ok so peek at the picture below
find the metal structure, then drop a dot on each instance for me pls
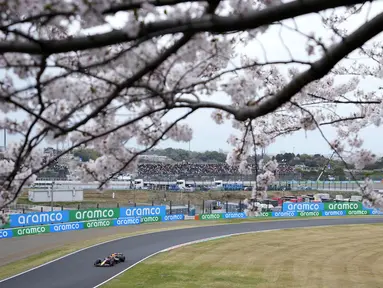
(4, 146)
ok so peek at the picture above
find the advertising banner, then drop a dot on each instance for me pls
(234, 215)
(38, 218)
(126, 221)
(357, 212)
(141, 211)
(309, 214)
(150, 219)
(319, 206)
(334, 213)
(25, 231)
(374, 212)
(214, 216)
(98, 224)
(175, 217)
(302, 206)
(284, 214)
(265, 214)
(343, 206)
(7, 233)
(93, 214)
(63, 227)
(154, 214)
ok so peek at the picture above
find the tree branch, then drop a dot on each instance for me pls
(150, 67)
(318, 69)
(343, 102)
(138, 4)
(218, 24)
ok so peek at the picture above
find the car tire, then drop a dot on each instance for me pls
(122, 259)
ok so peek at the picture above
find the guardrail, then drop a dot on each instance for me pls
(70, 220)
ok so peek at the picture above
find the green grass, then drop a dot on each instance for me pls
(309, 258)
(30, 262)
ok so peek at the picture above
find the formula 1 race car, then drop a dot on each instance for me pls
(110, 260)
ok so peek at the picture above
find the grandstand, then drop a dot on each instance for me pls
(189, 171)
(199, 169)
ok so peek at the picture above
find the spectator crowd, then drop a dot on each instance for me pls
(195, 169)
(159, 170)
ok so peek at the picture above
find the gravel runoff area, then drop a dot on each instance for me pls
(13, 249)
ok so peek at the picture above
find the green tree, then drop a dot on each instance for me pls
(339, 173)
(86, 154)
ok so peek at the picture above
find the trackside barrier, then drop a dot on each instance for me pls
(126, 221)
(289, 214)
(72, 226)
(65, 216)
(53, 222)
(319, 206)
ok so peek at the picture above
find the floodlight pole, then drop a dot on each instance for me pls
(324, 167)
(53, 184)
(256, 171)
(5, 139)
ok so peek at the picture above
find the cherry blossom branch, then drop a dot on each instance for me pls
(150, 67)
(92, 138)
(78, 95)
(206, 23)
(49, 15)
(343, 102)
(137, 4)
(318, 69)
(290, 130)
(143, 151)
(333, 148)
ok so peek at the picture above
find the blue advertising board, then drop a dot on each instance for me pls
(302, 206)
(234, 215)
(334, 213)
(6, 233)
(175, 217)
(142, 211)
(374, 212)
(232, 187)
(284, 214)
(127, 221)
(63, 227)
(38, 218)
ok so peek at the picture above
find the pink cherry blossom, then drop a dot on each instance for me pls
(72, 67)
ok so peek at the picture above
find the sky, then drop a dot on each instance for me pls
(209, 136)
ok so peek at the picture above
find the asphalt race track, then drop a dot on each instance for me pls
(77, 270)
